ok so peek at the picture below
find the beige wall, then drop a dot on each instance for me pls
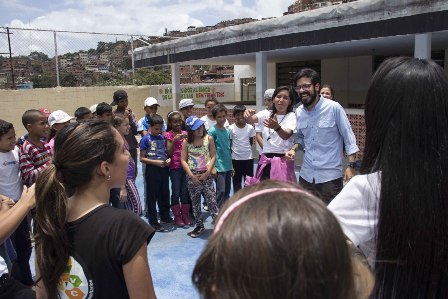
(15, 102)
(349, 77)
(68, 99)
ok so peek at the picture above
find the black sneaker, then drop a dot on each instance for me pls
(197, 232)
(158, 227)
(168, 220)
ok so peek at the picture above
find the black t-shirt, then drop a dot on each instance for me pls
(102, 242)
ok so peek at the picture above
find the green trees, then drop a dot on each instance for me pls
(45, 80)
(69, 80)
(152, 77)
(38, 56)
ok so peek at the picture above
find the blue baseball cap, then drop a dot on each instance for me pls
(193, 123)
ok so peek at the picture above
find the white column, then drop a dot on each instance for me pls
(261, 78)
(423, 46)
(175, 81)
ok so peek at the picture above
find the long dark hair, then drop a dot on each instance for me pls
(290, 247)
(79, 149)
(407, 142)
(190, 136)
(291, 98)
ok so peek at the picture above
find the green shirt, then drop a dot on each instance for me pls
(223, 153)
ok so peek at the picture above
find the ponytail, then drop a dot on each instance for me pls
(52, 245)
(79, 149)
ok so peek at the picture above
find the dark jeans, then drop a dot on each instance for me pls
(178, 186)
(223, 182)
(22, 244)
(12, 289)
(114, 198)
(325, 191)
(158, 192)
(242, 168)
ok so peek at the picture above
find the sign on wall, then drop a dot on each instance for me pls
(199, 92)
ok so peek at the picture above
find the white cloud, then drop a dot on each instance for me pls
(272, 8)
(142, 17)
(149, 17)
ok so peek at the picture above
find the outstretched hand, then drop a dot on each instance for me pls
(271, 123)
(248, 115)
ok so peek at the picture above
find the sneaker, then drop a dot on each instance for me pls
(168, 220)
(205, 208)
(198, 231)
(158, 227)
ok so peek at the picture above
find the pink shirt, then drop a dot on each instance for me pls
(175, 158)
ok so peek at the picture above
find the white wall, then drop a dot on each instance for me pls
(248, 71)
(272, 75)
(240, 72)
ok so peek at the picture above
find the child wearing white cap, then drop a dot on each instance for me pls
(186, 109)
(57, 120)
(150, 106)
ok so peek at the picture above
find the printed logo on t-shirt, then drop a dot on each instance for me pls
(74, 283)
(152, 148)
(6, 163)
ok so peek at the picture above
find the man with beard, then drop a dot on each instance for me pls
(323, 131)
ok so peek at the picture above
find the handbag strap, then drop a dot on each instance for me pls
(260, 169)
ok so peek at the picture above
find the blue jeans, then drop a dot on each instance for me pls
(178, 186)
(223, 182)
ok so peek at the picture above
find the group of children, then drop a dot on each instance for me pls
(195, 160)
(181, 151)
(22, 160)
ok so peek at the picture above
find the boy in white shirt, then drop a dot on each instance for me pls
(209, 119)
(242, 137)
(11, 187)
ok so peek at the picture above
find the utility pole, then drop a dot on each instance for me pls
(10, 57)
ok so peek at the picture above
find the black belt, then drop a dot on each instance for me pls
(4, 279)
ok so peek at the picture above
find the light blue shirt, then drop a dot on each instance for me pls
(143, 124)
(322, 133)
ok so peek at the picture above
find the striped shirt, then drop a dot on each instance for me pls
(33, 160)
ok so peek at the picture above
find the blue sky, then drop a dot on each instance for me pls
(146, 17)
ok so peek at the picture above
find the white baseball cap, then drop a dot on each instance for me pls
(58, 117)
(185, 103)
(268, 94)
(150, 102)
(93, 108)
